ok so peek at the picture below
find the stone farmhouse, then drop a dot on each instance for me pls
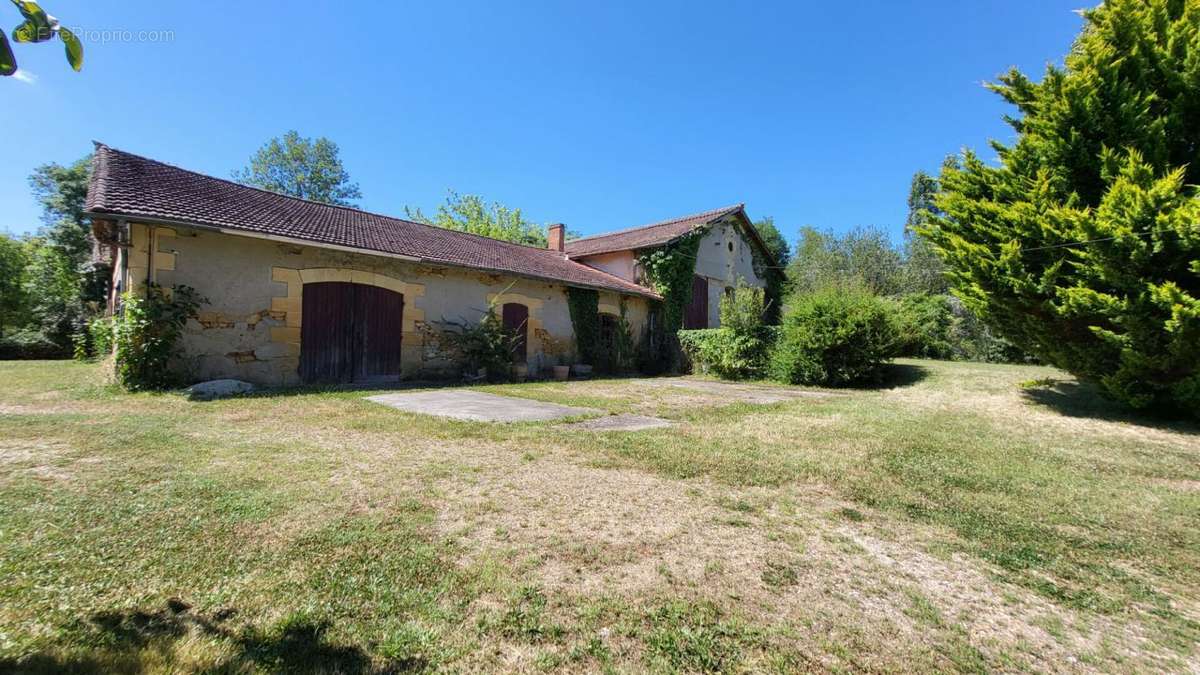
(300, 291)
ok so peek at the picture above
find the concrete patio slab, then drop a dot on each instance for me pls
(623, 422)
(478, 406)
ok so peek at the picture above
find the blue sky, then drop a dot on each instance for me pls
(599, 115)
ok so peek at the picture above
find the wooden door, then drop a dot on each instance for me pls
(379, 314)
(516, 319)
(350, 333)
(696, 315)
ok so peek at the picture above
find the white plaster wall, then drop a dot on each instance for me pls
(234, 336)
(621, 264)
(722, 266)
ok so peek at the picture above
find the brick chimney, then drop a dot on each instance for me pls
(555, 238)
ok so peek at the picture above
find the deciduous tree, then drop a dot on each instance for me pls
(62, 191)
(14, 300)
(774, 240)
(61, 280)
(470, 213)
(865, 256)
(301, 167)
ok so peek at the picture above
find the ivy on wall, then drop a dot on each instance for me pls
(584, 305)
(669, 269)
(623, 356)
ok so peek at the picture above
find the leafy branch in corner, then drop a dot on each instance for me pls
(38, 26)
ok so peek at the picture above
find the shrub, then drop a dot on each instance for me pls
(727, 354)
(617, 353)
(94, 339)
(100, 330)
(941, 327)
(30, 344)
(81, 344)
(835, 336)
(486, 344)
(740, 348)
(146, 334)
(925, 326)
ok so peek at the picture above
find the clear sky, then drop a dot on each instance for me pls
(600, 115)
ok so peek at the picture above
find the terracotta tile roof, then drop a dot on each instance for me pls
(131, 186)
(646, 236)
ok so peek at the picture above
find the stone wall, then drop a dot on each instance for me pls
(250, 328)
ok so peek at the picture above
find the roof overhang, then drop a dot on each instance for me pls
(747, 227)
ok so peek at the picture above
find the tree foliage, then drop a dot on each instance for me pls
(941, 327)
(1082, 244)
(38, 26)
(63, 284)
(864, 256)
(14, 298)
(301, 167)
(62, 191)
(470, 213)
(774, 240)
(52, 288)
(772, 273)
(924, 271)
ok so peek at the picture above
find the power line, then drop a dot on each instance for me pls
(1097, 241)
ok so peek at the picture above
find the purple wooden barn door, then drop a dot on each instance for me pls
(350, 333)
(696, 314)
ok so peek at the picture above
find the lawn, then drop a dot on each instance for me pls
(965, 517)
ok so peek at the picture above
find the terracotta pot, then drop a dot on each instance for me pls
(561, 373)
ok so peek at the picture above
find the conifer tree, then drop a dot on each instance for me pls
(1082, 245)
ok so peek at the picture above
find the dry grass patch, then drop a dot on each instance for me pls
(948, 523)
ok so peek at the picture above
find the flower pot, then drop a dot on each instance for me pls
(520, 371)
(561, 373)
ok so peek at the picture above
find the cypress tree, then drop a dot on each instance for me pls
(1082, 245)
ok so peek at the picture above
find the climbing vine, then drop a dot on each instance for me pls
(669, 269)
(774, 279)
(584, 305)
(623, 350)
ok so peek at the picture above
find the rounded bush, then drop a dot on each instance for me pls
(834, 337)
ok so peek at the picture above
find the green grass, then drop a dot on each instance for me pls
(307, 528)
